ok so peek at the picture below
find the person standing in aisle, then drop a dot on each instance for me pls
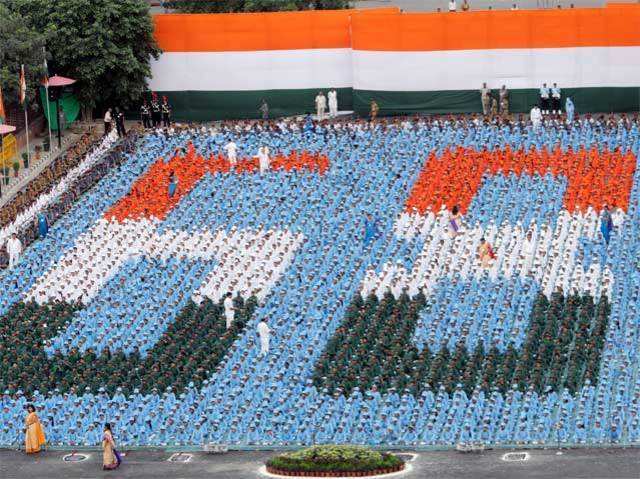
(14, 248)
(229, 309)
(264, 333)
(232, 151)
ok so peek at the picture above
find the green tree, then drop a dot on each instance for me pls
(106, 45)
(20, 43)
(231, 6)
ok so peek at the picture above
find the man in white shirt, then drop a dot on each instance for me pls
(536, 117)
(452, 5)
(263, 158)
(264, 333)
(231, 148)
(14, 248)
(333, 103)
(107, 121)
(544, 98)
(229, 310)
(321, 105)
(556, 104)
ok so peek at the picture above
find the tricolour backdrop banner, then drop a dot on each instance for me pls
(223, 66)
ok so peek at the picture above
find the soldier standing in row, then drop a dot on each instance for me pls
(155, 110)
(120, 123)
(166, 112)
(145, 115)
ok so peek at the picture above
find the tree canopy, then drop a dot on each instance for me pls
(20, 44)
(231, 6)
(106, 45)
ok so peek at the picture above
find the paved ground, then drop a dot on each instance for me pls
(542, 464)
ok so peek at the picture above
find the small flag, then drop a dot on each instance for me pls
(3, 115)
(46, 72)
(23, 86)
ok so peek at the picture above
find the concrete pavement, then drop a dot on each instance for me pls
(541, 464)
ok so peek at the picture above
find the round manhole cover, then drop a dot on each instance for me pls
(180, 457)
(75, 457)
(515, 456)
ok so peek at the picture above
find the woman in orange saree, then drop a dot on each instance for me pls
(34, 435)
(110, 457)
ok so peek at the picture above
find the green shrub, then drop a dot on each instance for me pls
(334, 458)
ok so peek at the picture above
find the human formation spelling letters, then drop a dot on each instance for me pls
(397, 282)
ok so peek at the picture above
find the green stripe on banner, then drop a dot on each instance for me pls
(221, 105)
(600, 99)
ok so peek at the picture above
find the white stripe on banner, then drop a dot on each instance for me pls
(247, 71)
(517, 68)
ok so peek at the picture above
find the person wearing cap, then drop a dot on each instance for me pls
(166, 112)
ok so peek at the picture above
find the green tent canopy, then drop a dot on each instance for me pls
(69, 108)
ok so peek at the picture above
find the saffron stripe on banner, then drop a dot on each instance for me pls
(240, 32)
(487, 30)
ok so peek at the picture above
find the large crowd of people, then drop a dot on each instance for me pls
(382, 323)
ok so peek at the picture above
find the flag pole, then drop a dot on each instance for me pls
(46, 88)
(26, 129)
(26, 115)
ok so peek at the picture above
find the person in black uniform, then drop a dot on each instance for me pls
(145, 115)
(120, 122)
(155, 111)
(166, 112)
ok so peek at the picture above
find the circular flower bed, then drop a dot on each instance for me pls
(335, 461)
